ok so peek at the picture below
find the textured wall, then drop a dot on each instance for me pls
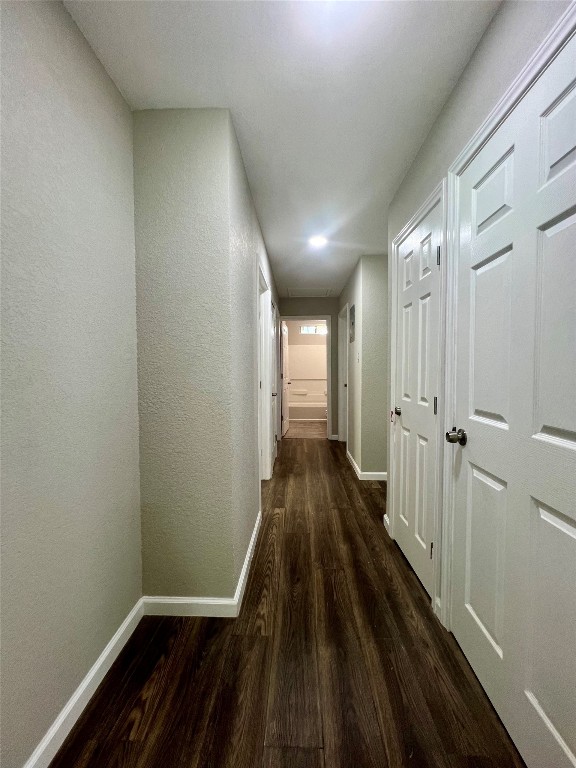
(198, 244)
(309, 308)
(184, 287)
(70, 498)
(515, 32)
(352, 295)
(247, 252)
(374, 364)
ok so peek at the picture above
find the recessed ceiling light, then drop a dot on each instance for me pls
(318, 241)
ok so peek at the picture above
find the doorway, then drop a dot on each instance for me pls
(266, 379)
(305, 377)
(343, 333)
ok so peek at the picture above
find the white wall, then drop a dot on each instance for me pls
(70, 488)
(308, 372)
(198, 245)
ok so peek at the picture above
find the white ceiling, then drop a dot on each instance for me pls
(330, 101)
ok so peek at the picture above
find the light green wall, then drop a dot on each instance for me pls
(71, 569)
(374, 404)
(515, 32)
(352, 295)
(198, 245)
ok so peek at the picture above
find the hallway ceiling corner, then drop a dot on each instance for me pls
(330, 100)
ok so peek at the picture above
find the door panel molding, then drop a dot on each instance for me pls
(511, 209)
(402, 360)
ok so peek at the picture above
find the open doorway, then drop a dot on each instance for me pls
(305, 378)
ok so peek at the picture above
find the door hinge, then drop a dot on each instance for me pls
(438, 255)
(431, 549)
(435, 406)
(281, 375)
(260, 385)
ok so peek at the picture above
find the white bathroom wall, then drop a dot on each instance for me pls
(308, 372)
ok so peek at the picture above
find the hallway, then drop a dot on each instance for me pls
(336, 659)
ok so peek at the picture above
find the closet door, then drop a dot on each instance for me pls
(514, 540)
(417, 373)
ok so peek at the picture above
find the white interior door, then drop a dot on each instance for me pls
(416, 442)
(513, 607)
(275, 377)
(285, 377)
(343, 375)
(265, 424)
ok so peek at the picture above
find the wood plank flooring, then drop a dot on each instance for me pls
(336, 660)
(312, 428)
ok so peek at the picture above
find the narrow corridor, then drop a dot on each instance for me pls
(336, 659)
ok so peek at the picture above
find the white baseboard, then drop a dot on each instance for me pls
(243, 579)
(333, 437)
(61, 727)
(365, 475)
(160, 605)
(150, 606)
(205, 606)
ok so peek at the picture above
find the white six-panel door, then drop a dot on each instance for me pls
(285, 378)
(416, 387)
(513, 607)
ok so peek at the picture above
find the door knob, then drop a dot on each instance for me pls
(398, 411)
(274, 394)
(457, 436)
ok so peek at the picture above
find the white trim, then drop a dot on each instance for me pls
(343, 362)
(308, 419)
(365, 475)
(549, 49)
(206, 606)
(146, 606)
(328, 319)
(243, 578)
(265, 378)
(61, 727)
(333, 437)
(540, 60)
(189, 606)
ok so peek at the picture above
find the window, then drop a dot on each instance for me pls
(322, 330)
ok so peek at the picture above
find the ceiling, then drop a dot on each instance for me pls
(330, 100)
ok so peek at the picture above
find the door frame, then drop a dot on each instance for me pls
(343, 344)
(438, 197)
(553, 43)
(328, 319)
(276, 383)
(264, 385)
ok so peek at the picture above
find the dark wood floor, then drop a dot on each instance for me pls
(336, 660)
(311, 428)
